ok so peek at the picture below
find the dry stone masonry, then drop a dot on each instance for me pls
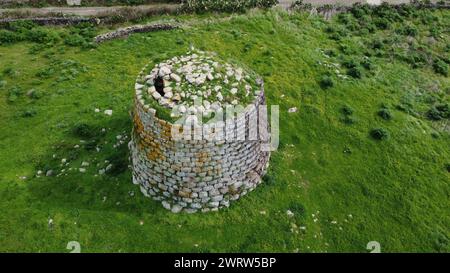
(214, 160)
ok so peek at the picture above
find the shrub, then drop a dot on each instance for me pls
(347, 110)
(29, 113)
(377, 44)
(119, 162)
(440, 67)
(269, 179)
(75, 40)
(21, 26)
(9, 71)
(8, 37)
(84, 130)
(326, 82)
(40, 35)
(408, 30)
(385, 114)
(298, 209)
(45, 73)
(367, 64)
(355, 72)
(379, 134)
(200, 6)
(348, 119)
(438, 112)
(360, 10)
(14, 93)
(381, 23)
(349, 63)
(35, 94)
(300, 5)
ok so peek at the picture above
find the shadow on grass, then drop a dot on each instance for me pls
(72, 173)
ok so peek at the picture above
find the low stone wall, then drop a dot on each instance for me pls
(123, 32)
(196, 175)
(65, 21)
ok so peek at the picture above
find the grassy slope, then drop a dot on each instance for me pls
(397, 190)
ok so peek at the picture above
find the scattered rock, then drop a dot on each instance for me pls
(176, 209)
(166, 205)
(289, 213)
(293, 110)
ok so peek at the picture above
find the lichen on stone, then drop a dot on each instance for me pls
(197, 82)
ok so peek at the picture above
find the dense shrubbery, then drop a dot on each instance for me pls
(225, 6)
(439, 111)
(326, 82)
(397, 33)
(26, 31)
(385, 114)
(80, 35)
(347, 113)
(84, 130)
(440, 67)
(379, 134)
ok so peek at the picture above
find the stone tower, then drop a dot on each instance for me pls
(187, 151)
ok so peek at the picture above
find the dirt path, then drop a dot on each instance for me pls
(88, 11)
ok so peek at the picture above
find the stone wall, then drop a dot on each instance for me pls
(124, 32)
(196, 175)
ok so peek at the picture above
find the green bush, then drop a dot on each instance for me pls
(347, 110)
(14, 93)
(29, 113)
(354, 72)
(326, 82)
(348, 119)
(360, 10)
(408, 30)
(200, 6)
(40, 35)
(440, 67)
(382, 23)
(119, 162)
(84, 130)
(21, 26)
(81, 35)
(438, 112)
(300, 5)
(385, 114)
(367, 64)
(298, 209)
(349, 63)
(26, 31)
(35, 94)
(9, 37)
(379, 134)
(75, 40)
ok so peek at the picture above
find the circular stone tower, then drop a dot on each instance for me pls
(187, 150)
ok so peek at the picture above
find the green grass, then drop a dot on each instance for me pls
(396, 190)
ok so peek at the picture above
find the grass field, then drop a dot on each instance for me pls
(345, 187)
